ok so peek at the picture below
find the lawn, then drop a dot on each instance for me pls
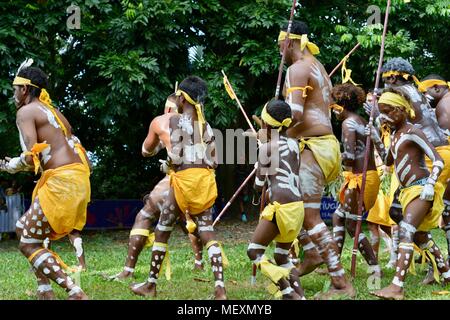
(106, 250)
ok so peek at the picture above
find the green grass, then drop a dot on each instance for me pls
(106, 251)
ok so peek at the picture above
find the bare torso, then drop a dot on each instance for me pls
(283, 168)
(409, 159)
(61, 151)
(354, 141)
(425, 118)
(311, 115)
(443, 113)
(188, 150)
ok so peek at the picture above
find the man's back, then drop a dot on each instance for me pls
(315, 117)
(47, 129)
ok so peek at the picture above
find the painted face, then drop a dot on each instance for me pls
(287, 58)
(392, 116)
(19, 96)
(389, 81)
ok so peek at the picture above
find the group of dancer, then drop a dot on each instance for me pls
(298, 155)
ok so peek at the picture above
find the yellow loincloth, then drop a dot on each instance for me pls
(379, 213)
(195, 189)
(372, 186)
(431, 220)
(327, 153)
(289, 218)
(64, 194)
(444, 152)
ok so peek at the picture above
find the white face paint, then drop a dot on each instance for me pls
(385, 118)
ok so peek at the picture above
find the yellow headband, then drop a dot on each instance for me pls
(397, 100)
(424, 85)
(267, 118)
(44, 97)
(304, 41)
(198, 106)
(336, 107)
(19, 81)
(403, 74)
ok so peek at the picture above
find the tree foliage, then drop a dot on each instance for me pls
(111, 76)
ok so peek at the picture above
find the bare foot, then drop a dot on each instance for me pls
(391, 292)
(321, 271)
(429, 278)
(144, 289)
(310, 262)
(47, 295)
(78, 296)
(220, 294)
(122, 275)
(198, 267)
(334, 293)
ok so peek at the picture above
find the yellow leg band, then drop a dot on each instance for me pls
(34, 254)
(139, 232)
(225, 262)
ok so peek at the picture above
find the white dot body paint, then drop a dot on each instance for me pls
(46, 271)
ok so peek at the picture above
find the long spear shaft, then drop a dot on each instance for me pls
(286, 41)
(234, 196)
(343, 59)
(366, 155)
(238, 102)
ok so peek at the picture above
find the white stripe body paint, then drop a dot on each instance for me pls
(159, 248)
(41, 259)
(317, 228)
(128, 269)
(281, 251)
(311, 205)
(256, 246)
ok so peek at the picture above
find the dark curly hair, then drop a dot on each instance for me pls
(37, 77)
(348, 96)
(298, 27)
(279, 110)
(195, 87)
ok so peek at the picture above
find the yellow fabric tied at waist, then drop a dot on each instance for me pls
(225, 262)
(165, 264)
(397, 100)
(64, 194)
(444, 152)
(424, 85)
(34, 153)
(379, 213)
(354, 180)
(431, 220)
(267, 118)
(303, 89)
(289, 218)
(304, 41)
(144, 232)
(327, 153)
(195, 189)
